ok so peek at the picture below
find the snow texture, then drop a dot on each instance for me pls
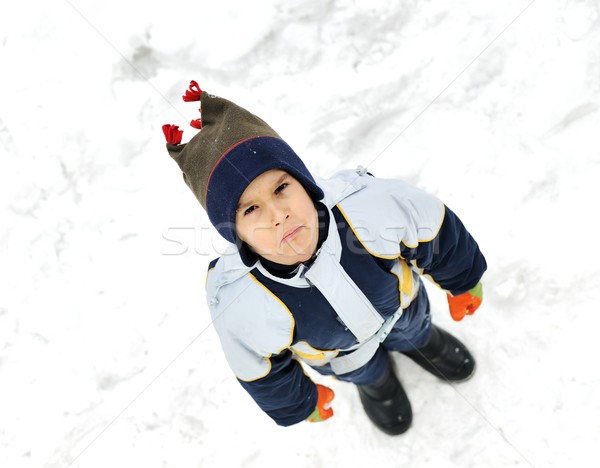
(107, 353)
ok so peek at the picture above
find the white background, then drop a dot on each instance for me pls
(107, 355)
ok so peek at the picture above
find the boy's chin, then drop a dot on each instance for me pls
(288, 259)
(290, 256)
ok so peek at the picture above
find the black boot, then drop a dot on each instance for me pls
(444, 356)
(386, 404)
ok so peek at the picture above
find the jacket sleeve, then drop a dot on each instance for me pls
(255, 330)
(393, 217)
(451, 258)
(286, 394)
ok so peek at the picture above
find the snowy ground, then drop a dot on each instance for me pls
(107, 356)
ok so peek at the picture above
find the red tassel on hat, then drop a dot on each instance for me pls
(196, 124)
(172, 133)
(192, 94)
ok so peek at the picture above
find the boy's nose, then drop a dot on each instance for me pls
(279, 215)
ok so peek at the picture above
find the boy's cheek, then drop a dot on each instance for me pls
(246, 231)
(262, 241)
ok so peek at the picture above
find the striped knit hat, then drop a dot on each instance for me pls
(232, 148)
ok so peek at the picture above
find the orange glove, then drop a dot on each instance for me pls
(323, 410)
(466, 303)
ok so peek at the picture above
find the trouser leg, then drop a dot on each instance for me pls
(414, 327)
(372, 371)
(433, 348)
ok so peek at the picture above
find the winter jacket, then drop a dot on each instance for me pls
(383, 234)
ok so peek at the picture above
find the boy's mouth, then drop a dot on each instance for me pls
(290, 234)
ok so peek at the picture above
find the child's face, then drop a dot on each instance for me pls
(277, 218)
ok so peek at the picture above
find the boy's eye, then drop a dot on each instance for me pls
(278, 190)
(281, 187)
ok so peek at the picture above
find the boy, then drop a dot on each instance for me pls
(326, 272)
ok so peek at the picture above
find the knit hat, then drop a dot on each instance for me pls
(232, 148)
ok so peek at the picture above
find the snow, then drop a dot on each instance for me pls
(107, 354)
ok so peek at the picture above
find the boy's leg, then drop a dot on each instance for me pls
(434, 349)
(386, 402)
(444, 356)
(381, 393)
(413, 330)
